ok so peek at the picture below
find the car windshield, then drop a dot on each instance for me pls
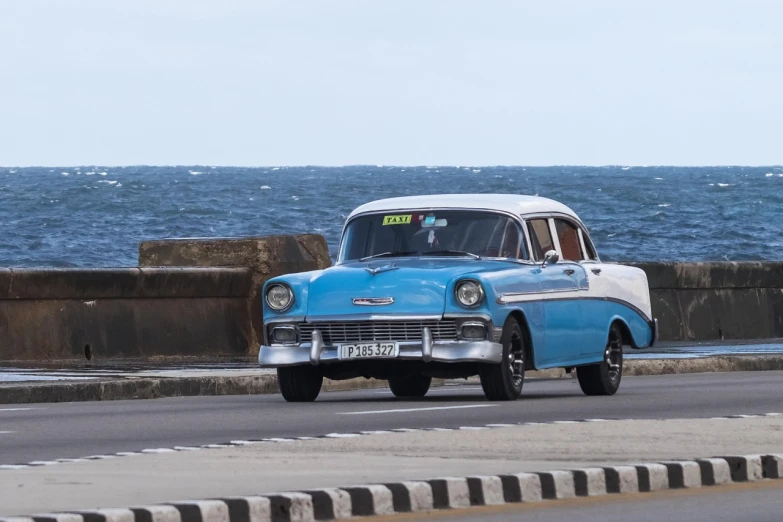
(437, 233)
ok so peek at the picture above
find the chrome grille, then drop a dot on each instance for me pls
(348, 332)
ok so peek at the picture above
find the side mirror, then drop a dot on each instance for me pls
(550, 258)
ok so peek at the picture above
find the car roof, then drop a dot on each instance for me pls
(512, 203)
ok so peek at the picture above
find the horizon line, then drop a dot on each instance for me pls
(395, 165)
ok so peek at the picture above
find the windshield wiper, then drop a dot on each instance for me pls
(451, 253)
(389, 254)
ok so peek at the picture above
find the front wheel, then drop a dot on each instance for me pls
(299, 383)
(604, 378)
(503, 382)
(414, 386)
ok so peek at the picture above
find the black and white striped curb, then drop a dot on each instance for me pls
(443, 493)
(235, 443)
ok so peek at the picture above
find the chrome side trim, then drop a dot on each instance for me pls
(515, 297)
(371, 317)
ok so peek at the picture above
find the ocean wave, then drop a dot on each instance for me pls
(627, 217)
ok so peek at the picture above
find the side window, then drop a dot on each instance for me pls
(568, 235)
(589, 246)
(540, 237)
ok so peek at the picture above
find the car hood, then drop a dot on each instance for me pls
(418, 286)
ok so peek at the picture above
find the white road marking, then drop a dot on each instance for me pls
(6, 432)
(407, 410)
(438, 389)
(20, 409)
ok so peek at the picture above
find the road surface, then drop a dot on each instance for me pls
(52, 431)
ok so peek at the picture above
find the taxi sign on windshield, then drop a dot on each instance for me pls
(397, 220)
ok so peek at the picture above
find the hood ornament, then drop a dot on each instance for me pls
(378, 270)
(372, 301)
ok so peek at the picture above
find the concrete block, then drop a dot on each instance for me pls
(772, 466)
(116, 515)
(590, 482)
(652, 477)
(420, 495)
(382, 500)
(266, 257)
(163, 513)
(627, 479)
(213, 511)
(714, 472)
(745, 468)
(486, 491)
(683, 474)
(296, 507)
(450, 492)
(530, 486)
(557, 484)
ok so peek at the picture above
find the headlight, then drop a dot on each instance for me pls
(279, 297)
(469, 293)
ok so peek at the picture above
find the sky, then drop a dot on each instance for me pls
(392, 82)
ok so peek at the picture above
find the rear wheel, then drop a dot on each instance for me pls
(411, 386)
(604, 378)
(299, 383)
(503, 382)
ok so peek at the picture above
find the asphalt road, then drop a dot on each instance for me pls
(73, 430)
(757, 502)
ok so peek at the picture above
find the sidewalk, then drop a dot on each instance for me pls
(341, 462)
(139, 380)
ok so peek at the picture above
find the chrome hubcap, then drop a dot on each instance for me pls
(614, 356)
(516, 361)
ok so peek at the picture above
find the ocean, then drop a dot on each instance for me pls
(94, 216)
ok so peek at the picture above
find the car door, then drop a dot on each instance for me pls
(560, 283)
(570, 237)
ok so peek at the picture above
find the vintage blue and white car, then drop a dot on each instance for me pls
(453, 286)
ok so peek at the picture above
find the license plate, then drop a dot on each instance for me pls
(369, 350)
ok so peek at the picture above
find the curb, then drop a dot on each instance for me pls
(444, 493)
(156, 388)
(161, 387)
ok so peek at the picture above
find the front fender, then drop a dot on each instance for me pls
(300, 285)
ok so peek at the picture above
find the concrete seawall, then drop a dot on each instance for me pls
(55, 316)
(717, 300)
(199, 298)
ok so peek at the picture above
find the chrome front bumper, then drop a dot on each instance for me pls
(427, 350)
